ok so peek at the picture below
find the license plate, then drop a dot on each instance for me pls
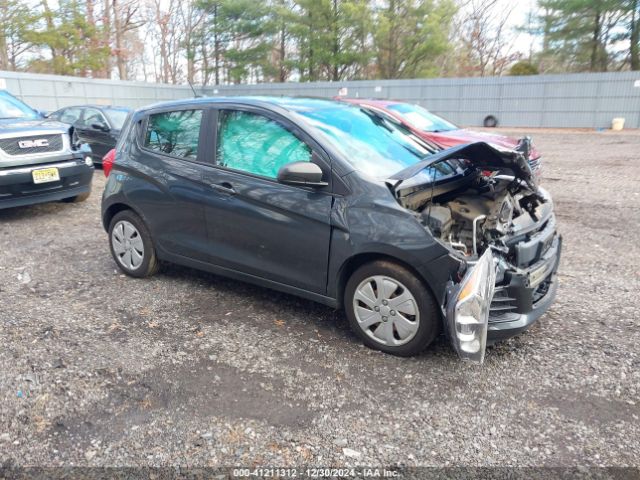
(45, 175)
(538, 275)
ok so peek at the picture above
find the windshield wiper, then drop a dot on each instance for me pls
(377, 118)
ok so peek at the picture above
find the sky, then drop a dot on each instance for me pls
(522, 41)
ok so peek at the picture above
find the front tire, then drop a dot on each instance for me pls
(131, 245)
(390, 309)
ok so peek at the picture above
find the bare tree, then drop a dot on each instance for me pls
(191, 19)
(4, 56)
(166, 30)
(125, 19)
(16, 20)
(485, 36)
(106, 38)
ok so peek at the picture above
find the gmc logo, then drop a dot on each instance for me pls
(41, 142)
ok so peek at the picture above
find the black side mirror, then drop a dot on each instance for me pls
(301, 173)
(100, 126)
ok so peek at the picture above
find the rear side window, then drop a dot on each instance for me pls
(174, 133)
(256, 144)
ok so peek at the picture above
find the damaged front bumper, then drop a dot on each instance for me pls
(523, 296)
(494, 302)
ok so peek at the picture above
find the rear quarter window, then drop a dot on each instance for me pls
(174, 133)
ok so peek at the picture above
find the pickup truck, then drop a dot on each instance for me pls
(38, 162)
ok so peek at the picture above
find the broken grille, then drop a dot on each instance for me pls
(502, 307)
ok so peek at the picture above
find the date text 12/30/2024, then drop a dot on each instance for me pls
(267, 472)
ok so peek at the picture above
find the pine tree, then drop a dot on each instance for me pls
(410, 34)
(70, 38)
(580, 33)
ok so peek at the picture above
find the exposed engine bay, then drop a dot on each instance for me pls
(495, 199)
(480, 215)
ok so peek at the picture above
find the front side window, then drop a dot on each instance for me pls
(256, 144)
(174, 133)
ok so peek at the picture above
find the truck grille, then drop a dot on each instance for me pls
(11, 146)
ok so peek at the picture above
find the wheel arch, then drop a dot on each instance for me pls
(115, 208)
(356, 261)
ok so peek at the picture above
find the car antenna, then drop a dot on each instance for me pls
(195, 95)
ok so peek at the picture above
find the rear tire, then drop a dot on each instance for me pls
(131, 245)
(390, 309)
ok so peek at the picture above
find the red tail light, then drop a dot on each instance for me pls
(107, 161)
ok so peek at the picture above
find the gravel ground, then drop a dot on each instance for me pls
(187, 368)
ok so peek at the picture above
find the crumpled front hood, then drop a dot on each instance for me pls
(14, 126)
(467, 136)
(481, 155)
(460, 136)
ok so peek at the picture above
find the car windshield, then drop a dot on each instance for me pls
(373, 144)
(11, 107)
(421, 118)
(117, 116)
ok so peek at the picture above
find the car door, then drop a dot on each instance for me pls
(168, 187)
(93, 129)
(255, 224)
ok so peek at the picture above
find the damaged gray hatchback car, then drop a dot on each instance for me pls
(341, 205)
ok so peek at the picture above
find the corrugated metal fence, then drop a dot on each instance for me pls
(50, 92)
(572, 100)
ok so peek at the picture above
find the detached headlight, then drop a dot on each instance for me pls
(468, 313)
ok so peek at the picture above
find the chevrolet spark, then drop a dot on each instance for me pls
(341, 205)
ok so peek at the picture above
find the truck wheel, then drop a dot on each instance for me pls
(78, 198)
(131, 245)
(390, 309)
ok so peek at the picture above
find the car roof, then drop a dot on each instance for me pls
(374, 102)
(99, 107)
(292, 104)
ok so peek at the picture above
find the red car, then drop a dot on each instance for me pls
(437, 130)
